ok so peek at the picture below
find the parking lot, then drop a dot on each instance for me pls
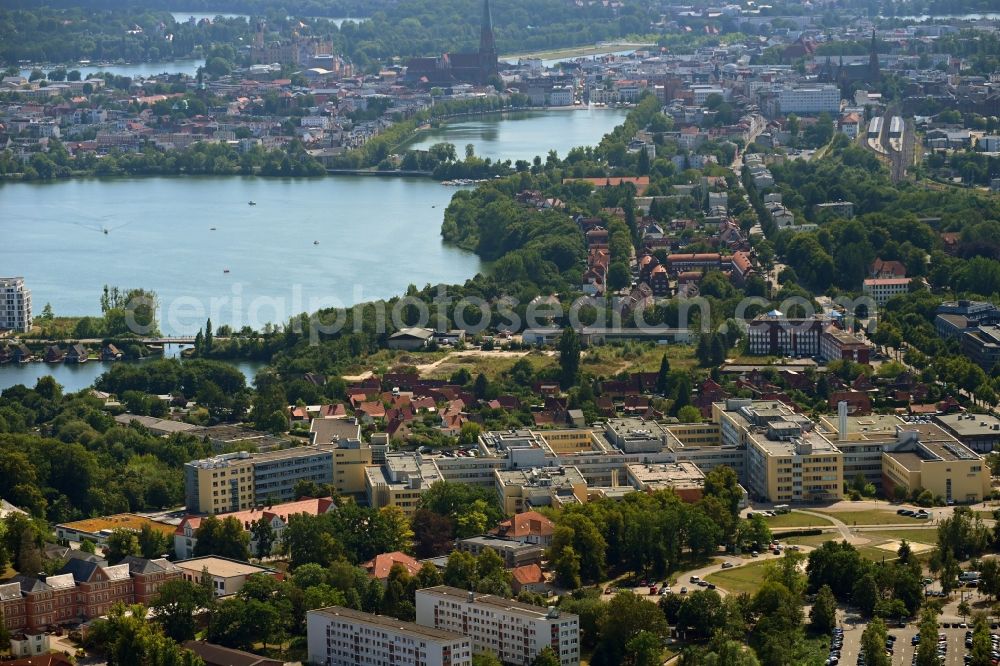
(903, 650)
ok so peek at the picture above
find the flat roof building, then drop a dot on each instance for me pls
(927, 458)
(979, 432)
(524, 489)
(788, 460)
(228, 576)
(400, 481)
(684, 478)
(982, 345)
(513, 553)
(635, 435)
(98, 530)
(514, 631)
(15, 305)
(338, 636)
(242, 480)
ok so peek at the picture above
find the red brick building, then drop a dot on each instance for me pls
(83, 590)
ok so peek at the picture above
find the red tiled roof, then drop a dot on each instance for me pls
(529, 523)
(528, 574)
(310, 506)
(379, 566)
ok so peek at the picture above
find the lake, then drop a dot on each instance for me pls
(522, 135)
(990, 16)
(75, 377)
(182, 17)
(552, 62)
(133, 70)
(306, 244)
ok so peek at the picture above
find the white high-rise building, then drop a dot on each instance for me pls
(513, 631)
(15, 305)
(338, 636)
(809, 99)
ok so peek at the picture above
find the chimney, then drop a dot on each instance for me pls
(842, 420)
(41, 575)
(472, 596)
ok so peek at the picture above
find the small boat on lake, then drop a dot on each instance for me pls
(252, 203)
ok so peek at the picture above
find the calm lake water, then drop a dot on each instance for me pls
(306, 244)
(552, 62)
(75, 377)
(521, 136)
(181, 17)
(134, 70)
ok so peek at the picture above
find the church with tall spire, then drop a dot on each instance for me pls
(488, 58)
(855, 73)
(479, 67)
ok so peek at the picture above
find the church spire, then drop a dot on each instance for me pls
(873, 68)
(487, 45)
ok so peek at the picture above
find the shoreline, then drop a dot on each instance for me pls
(571, 52)
(331, 172)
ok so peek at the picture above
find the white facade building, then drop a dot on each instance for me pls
(882, 289)
(513, 631)
(15, 305)
(338, 636)
(811, 99)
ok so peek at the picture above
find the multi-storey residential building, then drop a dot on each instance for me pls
(83, 590)
(185, 538)
(242, 480)
(774, 334)
(513, 631)
(15, 305)
(788, 460)
(338, 636)
(882, 289)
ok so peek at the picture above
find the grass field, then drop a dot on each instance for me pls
(872, 517)
(814, 540)
(928, 536)
(610, 360)
(491, 365)
(796, 519)
(744, 578)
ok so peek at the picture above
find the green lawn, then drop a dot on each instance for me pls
(814, 540)
(796, 519)
(876, 554)
(928, 536)
(872, 517)
(744, 578)
(609, 360)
